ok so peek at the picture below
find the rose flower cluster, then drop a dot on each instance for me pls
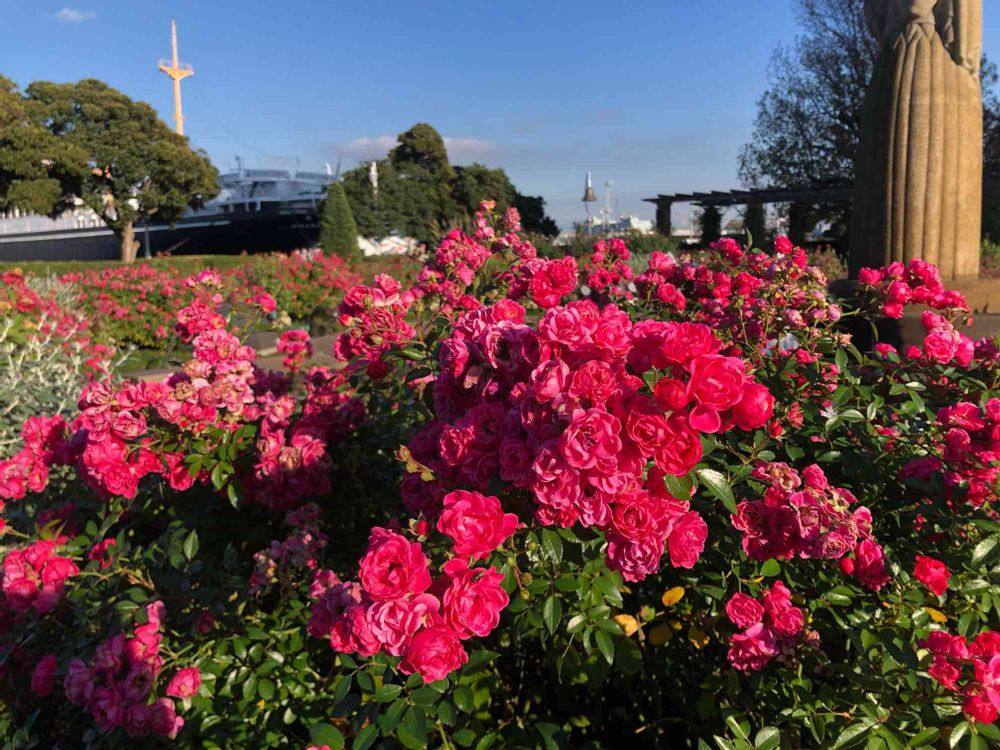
(970, 668)
(118, 684)
(771, 627)
(35, 576)
(752, 298)
(398, 607)
(967, 448)
(559, 409)
(804, 516)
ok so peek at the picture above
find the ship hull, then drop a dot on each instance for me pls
(232, 234)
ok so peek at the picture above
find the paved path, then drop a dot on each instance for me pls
(268, 358)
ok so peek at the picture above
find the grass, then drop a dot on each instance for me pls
(367, 268)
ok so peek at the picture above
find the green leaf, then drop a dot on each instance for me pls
(552, 613)
(957, 733)
(190, 547)
(925, 737)
(326, 734)
(770, 568)
(265, 689)
(767, 738)
(388, 692)
(365, 738)
(552, 544)
(982, 551)
(679, 487)
(628, 656)
(717, 484)
(606, 644)
(976, 742)
(854, 734)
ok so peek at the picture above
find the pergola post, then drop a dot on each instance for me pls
(798, 215)
(663, 221)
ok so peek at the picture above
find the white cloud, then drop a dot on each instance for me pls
(376, 147)
(468, 148)
(74, 15)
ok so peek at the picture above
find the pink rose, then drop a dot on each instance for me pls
(751, 650)
(434, 653)
(870, 565)
(549, 380)
(476, 523)
(474, 600)
(744, 611)
(394, 622)
(687, 540)
(185, 683)
(43, 675)
(755, 407)
(393, 566)
(592, 435)
(716, 384)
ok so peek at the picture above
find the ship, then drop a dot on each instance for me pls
(257, 210)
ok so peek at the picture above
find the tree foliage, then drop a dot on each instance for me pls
(809, 120)
(710, 223)
(338, 234)
(420, 192)
(98, 145)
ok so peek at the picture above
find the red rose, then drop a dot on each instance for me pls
(678, 454)
(716, 385)
(434, 653)
(932, 573)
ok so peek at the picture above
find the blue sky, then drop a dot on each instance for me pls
(657, 95)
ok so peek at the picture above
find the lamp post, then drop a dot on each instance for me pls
(588, 198)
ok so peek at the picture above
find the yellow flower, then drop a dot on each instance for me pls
(660, 635)
(627, 623)
(936, 615)
(698, 637)
(672, 596)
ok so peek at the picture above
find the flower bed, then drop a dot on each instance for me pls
(545, 503)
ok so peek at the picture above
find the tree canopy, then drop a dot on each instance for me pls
(338, 234)
(808, 122)
(420, 193)
(86, 140)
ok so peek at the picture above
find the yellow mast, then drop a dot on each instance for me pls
(177, 71)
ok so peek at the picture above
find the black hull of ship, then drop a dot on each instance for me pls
(212, 235)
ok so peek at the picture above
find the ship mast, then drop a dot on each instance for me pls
(177, 71)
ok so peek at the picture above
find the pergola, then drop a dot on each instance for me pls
(829, 193)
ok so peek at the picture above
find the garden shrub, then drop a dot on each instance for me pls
(545, 503)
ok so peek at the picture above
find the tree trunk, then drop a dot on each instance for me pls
(129, 245)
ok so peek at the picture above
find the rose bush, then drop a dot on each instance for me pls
(542, 504)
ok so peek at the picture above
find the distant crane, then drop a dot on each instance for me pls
(177, 71)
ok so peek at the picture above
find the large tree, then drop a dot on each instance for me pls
(105, 149)
(420, 194)
(809, 120)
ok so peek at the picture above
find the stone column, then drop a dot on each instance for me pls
(919, 169)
